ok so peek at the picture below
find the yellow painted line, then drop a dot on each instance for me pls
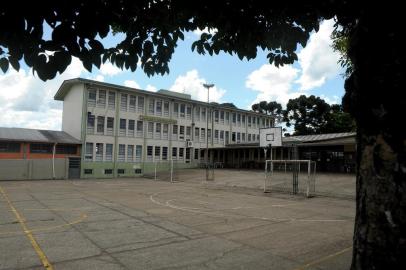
(48, 228)
(328, 257)
(28, 233)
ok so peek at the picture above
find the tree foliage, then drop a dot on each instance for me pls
(151, 30)
(313, 115)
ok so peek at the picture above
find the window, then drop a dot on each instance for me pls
(121, 171)
(243, 120)
(188, 112)
(109, 152)
(131, 128)
(176, 110)
(216, 116)
(90, 123)
(157, 153)
(130, 153)
(197, 113)
(100, 124)
(216, 134)
(249, 137)
(101, 101)
(108, 171)
(238, 136)
(150, 129)
(89, 152)
(181, 132)
(41, 148)
(112, 100)
(138, 153)
(233, 137)
(159, 107)
(234, 118)
(239, 119)
(140, 104)
(133, 100)
(227, 137)
(91, 98)
(165, 131)
(203, 114)
(174, 152)
(166, 108)
(121, 152)
(188, 132)
(196, 153)
(221, 135)
(88, 171)
(243, 137)
(123, 102)
(209, 133)
(257, 137)
(99, 152)
(187, 153)
(175, 132)
(137, 171)
(151, 105)
(65, 149)
(123, 127)
(202, 134)
(182, 110)
(149, 152)
(181, 151)
(10, 147)
(197, 133)
(110, 125)
(227, 117)
(140, 128)
(158, 131)
(222, 117)
(164, 153)
(249, 121)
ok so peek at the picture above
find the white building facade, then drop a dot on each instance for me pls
(124, 130)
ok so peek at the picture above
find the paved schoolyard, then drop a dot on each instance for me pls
(147, 224)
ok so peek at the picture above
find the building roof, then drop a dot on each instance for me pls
(321, 139)
(67, 84)
(36, 135)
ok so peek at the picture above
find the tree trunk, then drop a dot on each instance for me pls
(375, 96)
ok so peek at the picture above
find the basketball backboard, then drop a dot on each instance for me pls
(270, 136)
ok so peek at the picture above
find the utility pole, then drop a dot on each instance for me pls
(208, 86)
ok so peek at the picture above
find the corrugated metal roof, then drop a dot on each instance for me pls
(318, 137)
(36, 135)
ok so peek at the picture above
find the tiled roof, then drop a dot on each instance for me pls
(36, 135)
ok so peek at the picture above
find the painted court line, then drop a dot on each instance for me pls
(28, 233)
(322, 259)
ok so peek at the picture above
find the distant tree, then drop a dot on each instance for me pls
(308, 115)
(338, 121)
(272, 108)
(230, 105)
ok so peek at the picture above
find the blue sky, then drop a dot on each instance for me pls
(26, 101)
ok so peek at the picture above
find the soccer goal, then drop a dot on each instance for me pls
(290, 176)
(166, 170)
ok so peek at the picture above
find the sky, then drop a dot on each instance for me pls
(26, 101)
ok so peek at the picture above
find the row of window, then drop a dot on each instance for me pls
(158, 107)
(110, 171)
(130, 128)
(39, 148)
(133, 153)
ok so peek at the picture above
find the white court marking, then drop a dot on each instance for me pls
(153, 199)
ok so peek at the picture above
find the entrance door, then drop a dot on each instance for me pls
(74, 168)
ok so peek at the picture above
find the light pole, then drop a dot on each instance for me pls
(208, 86)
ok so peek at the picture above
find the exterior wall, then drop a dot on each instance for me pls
(72, 111)
(26, 154)
(30, 169)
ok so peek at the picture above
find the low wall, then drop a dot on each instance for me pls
(31, 169)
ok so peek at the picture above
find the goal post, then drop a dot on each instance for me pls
(166, 170)
(291, 176)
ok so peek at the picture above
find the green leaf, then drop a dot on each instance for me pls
(4, 64)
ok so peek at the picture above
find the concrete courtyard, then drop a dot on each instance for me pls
(146, 224)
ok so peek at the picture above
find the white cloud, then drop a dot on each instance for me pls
(273, 84)
(192, 84)
(151, 88)
(131, 83)
(109, 69)
(26, 101)
(331, 100)
(318, 60)
(206, 30)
